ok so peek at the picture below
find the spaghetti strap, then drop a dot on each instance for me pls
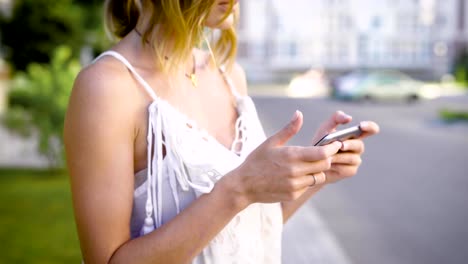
(228, 80)
(122, 59)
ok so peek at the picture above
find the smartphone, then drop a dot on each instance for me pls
(341, 135)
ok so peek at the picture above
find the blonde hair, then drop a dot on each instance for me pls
(175, 25)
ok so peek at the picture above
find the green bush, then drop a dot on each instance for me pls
(460, 68)
(450, 115)
(38, 100)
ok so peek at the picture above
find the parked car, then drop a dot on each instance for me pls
(383, 85)
(313, 83)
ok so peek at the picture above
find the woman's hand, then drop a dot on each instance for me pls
(346, 162)
(274, 172)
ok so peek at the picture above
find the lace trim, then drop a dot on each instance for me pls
(177, 170)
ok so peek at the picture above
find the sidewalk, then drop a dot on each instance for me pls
(281, 90)
(16, 151)
(307, 240)
(270, 90)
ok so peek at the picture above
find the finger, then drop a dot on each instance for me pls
(369, 128)
(287, 132)
(302, 185)
(304, 182)
(346, 158)
(338, 118)
(320, 178)
(315, 153)
(309, 168)
(309, 180)
(353, 145)
(344, 171)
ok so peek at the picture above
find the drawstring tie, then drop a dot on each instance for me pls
(176, 168)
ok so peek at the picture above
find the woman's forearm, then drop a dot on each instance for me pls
(185, 236)
(290, 207)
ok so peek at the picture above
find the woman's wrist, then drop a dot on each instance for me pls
(230, 187)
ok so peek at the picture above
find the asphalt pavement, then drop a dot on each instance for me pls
(409, 202)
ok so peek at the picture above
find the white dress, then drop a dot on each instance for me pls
(194, 161)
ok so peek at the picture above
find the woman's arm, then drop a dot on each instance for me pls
(99, 139)
(290, 207)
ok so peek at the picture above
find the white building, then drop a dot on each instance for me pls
(278, 37)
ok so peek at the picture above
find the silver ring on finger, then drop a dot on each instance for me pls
(315, 180)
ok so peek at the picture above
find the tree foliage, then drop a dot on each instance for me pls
(38, 100)
(36, 27)
(42, 41)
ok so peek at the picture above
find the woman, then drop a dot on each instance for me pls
(168, 161)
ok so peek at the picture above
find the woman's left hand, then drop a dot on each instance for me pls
(346, 162)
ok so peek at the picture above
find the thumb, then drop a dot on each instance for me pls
(338, 118)
(287, 132)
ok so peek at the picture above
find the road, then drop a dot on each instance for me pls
(409, 202)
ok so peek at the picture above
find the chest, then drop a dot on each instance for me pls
(209, 106)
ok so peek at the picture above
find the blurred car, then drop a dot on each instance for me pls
(313, 83)
(383, 85)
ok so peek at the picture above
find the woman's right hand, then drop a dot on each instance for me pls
(275, 172)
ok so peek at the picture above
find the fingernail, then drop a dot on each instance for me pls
(343, 147)
(364, 124)
(346, 116)
(295, 116)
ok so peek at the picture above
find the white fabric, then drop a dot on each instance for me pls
(194, 161)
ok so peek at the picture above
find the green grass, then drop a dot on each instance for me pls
(36, 219)
(450, 115)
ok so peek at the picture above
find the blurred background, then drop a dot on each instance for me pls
(403, 64)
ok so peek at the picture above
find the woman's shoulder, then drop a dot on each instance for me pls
(106, 80)
(102, 85)
(237, 74)
(103, 77)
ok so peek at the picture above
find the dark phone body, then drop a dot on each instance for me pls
(341, 135)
